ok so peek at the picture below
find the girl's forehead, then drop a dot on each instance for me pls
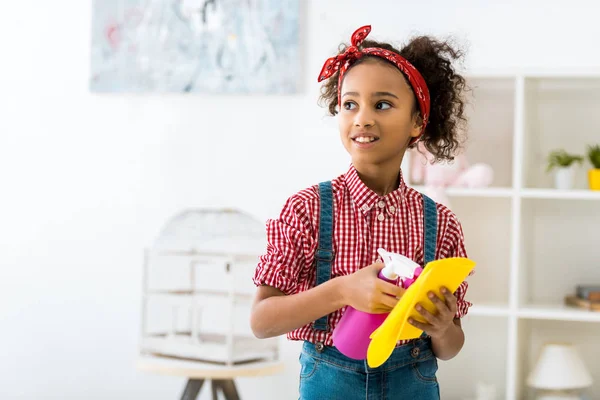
(374, 74)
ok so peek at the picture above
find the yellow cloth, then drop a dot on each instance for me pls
(448, 272)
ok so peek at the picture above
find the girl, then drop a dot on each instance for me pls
(322, 250)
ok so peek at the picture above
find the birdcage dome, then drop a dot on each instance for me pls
(212, 231)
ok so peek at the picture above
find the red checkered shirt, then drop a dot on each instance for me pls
(363, 222)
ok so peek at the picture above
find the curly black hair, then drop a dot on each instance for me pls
(433, 59)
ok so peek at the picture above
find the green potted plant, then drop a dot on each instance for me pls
(593, 153)
(563, 163)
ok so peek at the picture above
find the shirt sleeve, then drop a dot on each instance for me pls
(453, 245)
(290, 243)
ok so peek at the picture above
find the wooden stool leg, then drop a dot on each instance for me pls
(192, 388)
(228, 388)
(215, 386)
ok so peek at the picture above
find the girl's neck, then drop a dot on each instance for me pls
(382, 179)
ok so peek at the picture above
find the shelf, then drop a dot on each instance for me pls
(550, 312)
(531, 242)
(210, 347)
(489, 310)
(492, 192)
(557, 312)
(560, 194)
(499, 192)
(560, 112)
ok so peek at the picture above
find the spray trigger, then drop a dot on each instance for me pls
(397, 265)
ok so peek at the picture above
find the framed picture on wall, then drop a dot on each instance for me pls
(203, 46)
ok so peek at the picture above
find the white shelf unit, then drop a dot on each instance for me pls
(532, 244)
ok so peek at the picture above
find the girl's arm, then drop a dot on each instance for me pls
(450, 344)
(274, 313)
(444, 326)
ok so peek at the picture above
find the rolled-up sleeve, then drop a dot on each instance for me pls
(289, 245)
(453, 245)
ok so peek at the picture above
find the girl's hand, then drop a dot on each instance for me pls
(365, 291)
(438, 322)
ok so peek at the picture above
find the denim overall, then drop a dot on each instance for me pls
(409, 373)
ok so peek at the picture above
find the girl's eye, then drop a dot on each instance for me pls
(383, 105)
(349, 105)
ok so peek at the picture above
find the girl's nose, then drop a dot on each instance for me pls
(364, 119)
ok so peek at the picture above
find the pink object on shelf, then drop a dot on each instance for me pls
(437, 177)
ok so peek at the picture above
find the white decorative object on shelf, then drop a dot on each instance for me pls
(197, 289)
(562, 163)
(563, 178)
(559, 373)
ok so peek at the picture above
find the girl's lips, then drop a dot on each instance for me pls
(364, 145)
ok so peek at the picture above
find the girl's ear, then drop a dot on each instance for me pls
(417, 124)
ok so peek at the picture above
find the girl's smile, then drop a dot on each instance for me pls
(364, 140)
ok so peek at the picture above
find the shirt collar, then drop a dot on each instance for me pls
(365, 199)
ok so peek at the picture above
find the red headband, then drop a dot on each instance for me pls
(343, 61)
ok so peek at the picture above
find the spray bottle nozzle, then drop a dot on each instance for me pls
(397, 265)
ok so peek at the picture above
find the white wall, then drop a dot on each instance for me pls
(87, 180)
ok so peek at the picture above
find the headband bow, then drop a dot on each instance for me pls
(343, 61)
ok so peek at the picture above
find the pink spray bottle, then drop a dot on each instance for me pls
(352, 334)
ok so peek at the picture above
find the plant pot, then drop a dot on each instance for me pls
(563, 178)
(594, 178)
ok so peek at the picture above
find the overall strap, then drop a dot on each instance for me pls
(430, 229)
(324, 255)
(429, 233)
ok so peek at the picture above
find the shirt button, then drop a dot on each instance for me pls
(392, 209)
(381, 217)
(381, 204)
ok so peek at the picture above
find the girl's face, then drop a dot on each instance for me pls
(376, 118)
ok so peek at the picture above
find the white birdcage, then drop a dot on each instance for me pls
(197, 289)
